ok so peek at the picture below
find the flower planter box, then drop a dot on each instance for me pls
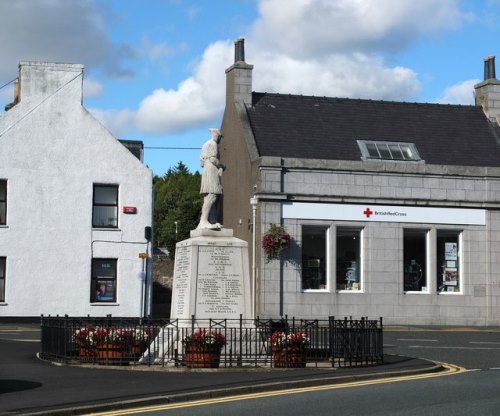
(202, 359)
(87, 355)
(289, 358)
(109, 354)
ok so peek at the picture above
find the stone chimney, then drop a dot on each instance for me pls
(42, 80)
(239, 77)
(487, 93)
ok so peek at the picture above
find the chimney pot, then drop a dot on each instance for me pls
(239, 50)
(489, 68)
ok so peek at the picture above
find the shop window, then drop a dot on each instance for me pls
(448, 260)
(348, 245)
(3, 202)
(314, 249)
(2, 279)
(415, 260)
(103, 281)
(105, 206)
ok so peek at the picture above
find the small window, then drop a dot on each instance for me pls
(2, 279)
(415, 260)
(348, 247)
(388, 150)
(103, 281)
(448, 261)
(105, 206)
(314, 249)
(3, 202)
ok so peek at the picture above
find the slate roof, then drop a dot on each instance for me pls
(295, 126)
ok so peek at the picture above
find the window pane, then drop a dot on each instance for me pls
(384, 151)
(3, 213)
(372, 150)
(314, 257)
(348, 258)
(3, 202)
(3, 190)
(106, 195)
(448, 260)
(415, 266)
(105, 210)
(103, 282)
(396, 152)
(407, 152)
(105, 217)
(2, 279)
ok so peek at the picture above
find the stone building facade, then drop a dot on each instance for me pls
(393, 208)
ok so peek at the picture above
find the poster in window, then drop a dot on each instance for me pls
(450, 276)
(450, 251)
(104, 290)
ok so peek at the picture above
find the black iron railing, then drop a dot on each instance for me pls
(212, 342)
(355, 341)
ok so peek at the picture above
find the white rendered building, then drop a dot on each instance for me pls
(75, 205)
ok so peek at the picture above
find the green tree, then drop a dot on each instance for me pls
(177, 200)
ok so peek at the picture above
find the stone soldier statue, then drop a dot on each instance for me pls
(211, 186)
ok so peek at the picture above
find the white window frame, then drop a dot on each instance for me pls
(3, 271)
(94, 205)
(365, 153)
(459, 263)
(428, 269)
(3, 221)
(361, 230)
(95, 279)
(327, 230)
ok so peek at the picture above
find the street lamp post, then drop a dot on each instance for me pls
(253, 202)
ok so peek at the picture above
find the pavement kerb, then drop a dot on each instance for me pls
(232, 391)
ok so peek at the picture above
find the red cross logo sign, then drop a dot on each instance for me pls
(368, 212)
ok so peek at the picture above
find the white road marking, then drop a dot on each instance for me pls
(417, 340)
(452, 347)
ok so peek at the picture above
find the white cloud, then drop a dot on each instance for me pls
(156, 51)
(313, 28)
(307, 47)
(320, 47)
(92, 88)
(355, 76)
(197, 100)
(118, 122)
(59, 31)
(461, 93)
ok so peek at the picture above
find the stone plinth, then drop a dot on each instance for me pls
(211, 277)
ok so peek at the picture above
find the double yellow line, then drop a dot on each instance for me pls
(450, 369)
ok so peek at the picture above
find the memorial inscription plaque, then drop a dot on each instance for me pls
(211, 279)
(182, 285)
(220, 282)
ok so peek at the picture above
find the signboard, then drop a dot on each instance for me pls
(127, 209)
(384, 213)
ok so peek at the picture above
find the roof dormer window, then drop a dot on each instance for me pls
(388, 150)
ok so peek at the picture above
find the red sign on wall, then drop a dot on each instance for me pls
(129, 210)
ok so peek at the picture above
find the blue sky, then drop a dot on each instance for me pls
(154, 69)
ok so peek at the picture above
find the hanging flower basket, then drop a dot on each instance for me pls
(274, 241)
